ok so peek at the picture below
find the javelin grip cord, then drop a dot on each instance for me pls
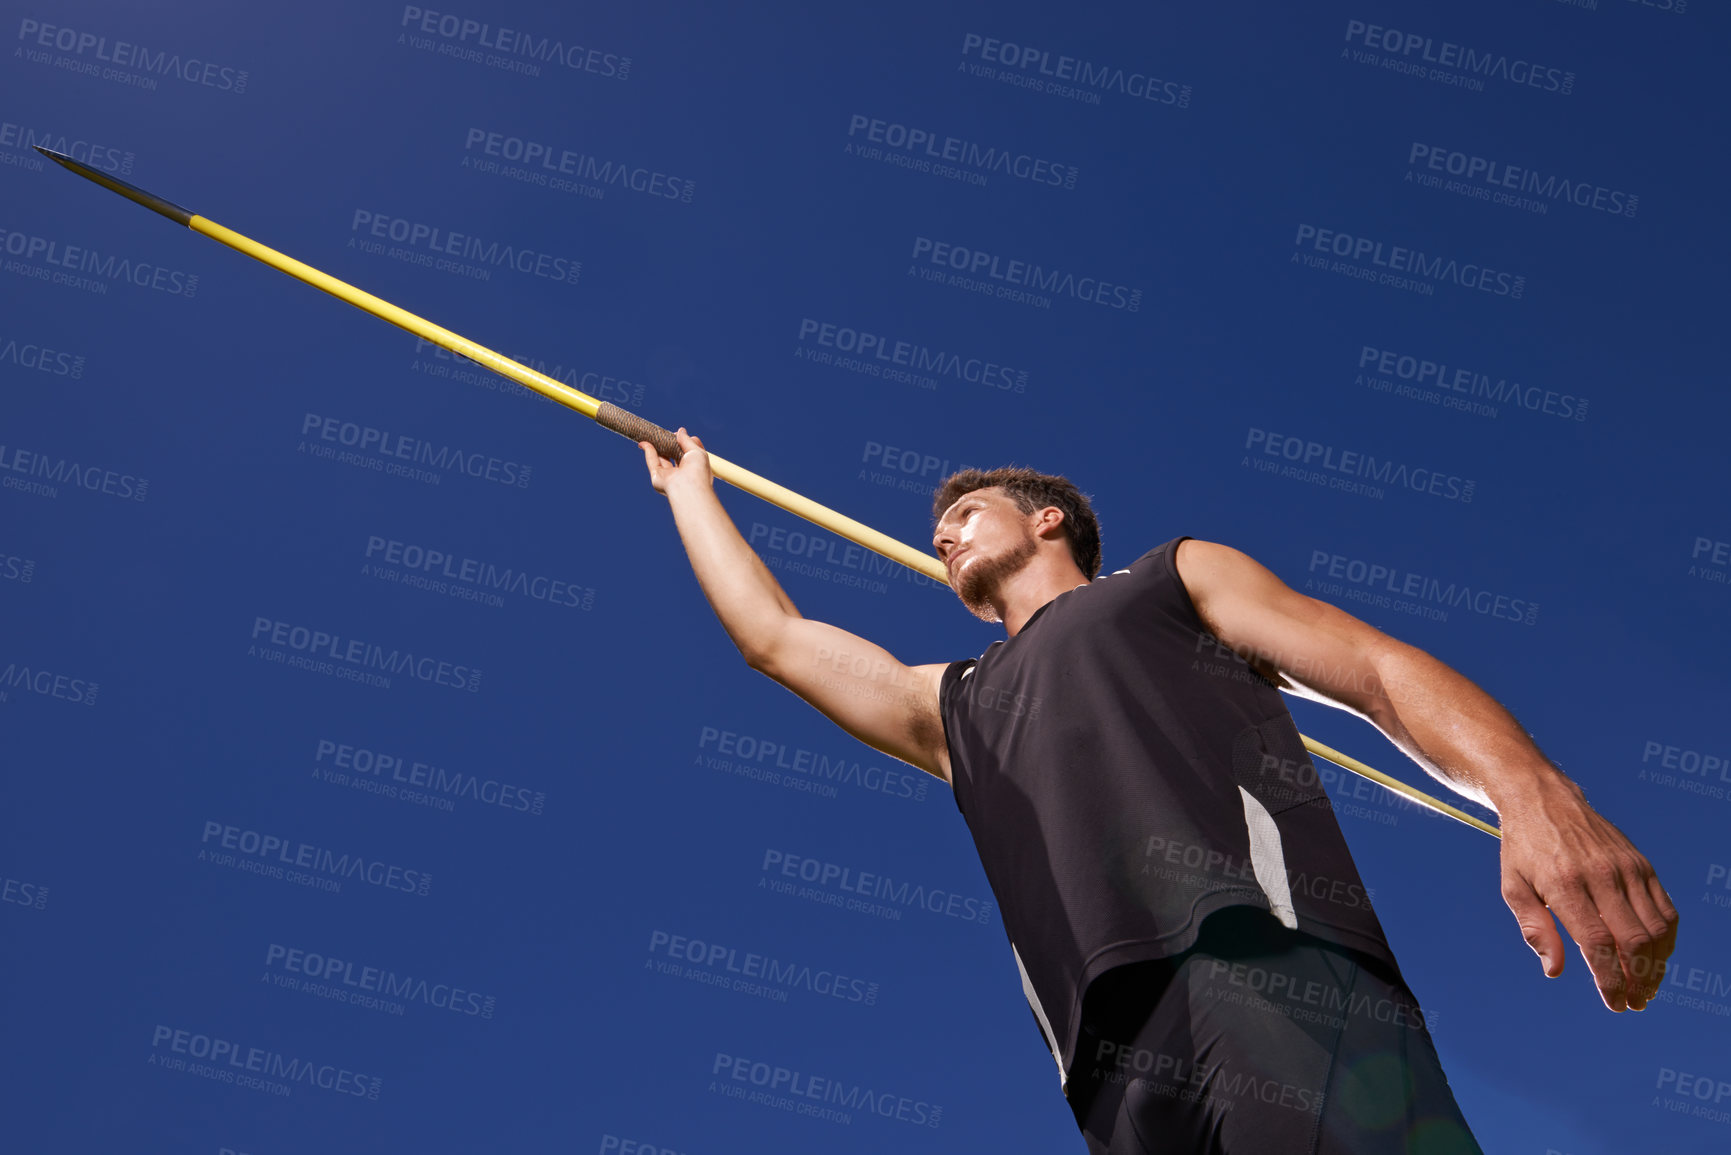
(638, 429)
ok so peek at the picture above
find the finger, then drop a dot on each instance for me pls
(1537, 928)
(1653, 907)
(1662, 899)
(689, 443)
(1619, 904)
(1667, 911)
(1597, 942)
(1645, 934)
(657, 464)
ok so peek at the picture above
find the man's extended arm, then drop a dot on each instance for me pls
(1557, 851)
(752, 606)
(858, 685)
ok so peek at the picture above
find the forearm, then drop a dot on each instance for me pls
(745, 596)
(1461, 735)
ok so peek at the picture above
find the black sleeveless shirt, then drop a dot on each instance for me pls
(1123, 775)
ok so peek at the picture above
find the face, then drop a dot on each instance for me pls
(982, 540)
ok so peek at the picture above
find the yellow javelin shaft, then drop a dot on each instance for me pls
(733, 474)
(620, 421)
(603, 413)
(1395, 784)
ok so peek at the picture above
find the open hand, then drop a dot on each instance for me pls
(1563, 855)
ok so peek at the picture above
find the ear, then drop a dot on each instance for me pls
(1049, 522)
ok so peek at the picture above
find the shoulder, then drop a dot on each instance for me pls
(1232, 592)
(1205, 566)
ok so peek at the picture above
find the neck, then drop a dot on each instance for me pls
(1035, 584)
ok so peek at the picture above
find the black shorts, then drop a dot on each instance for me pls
(1260, 1039)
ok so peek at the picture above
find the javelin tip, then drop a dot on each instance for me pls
(130, 191)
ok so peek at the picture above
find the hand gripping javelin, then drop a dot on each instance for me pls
(630, 425)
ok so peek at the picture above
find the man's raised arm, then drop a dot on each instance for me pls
(859, 686)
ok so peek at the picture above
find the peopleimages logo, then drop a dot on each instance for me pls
(1718, 875)
(509, 48)
(858, 566)
(358, 655)
(1710, 560)
(1014, 279)
(904, 894)
(801, 1093)
(599, 385)
(27, 354)
(1203, 868)
(905, 469)
(1693, 771)
(748, 972)
(1498, 181)
(35, 896)
(448, 251)
(24, 141)
(1356, 579)
(1025, 66)
(47, 683)
(268, 853)
(886, 356)
(362, 985)
(742, 751)
(1396, 259)
(129, 63)
(1455, 387)
(452, 574)
(1456, 64)
(1709, 1093)
(404, 777)
(1343, 465)
(42, 474)
(82, 267)
(230, 1062)
(564, 169)
(1696, 989)
(924, 150)
(366, 439)
(1674, 7)
(17, 569)
(437, 362)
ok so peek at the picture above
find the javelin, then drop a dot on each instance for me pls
(621, 421)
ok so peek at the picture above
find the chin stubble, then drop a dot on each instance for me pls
(978, 584)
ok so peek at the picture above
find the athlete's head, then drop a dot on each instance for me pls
(991, 523)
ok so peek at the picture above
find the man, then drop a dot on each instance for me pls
(1192, 935)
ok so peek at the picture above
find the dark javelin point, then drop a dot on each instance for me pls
(130, 191)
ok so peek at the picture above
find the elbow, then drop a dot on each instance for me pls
(759, 657)
(761, 646)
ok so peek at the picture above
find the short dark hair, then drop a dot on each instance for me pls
(1032, 491)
